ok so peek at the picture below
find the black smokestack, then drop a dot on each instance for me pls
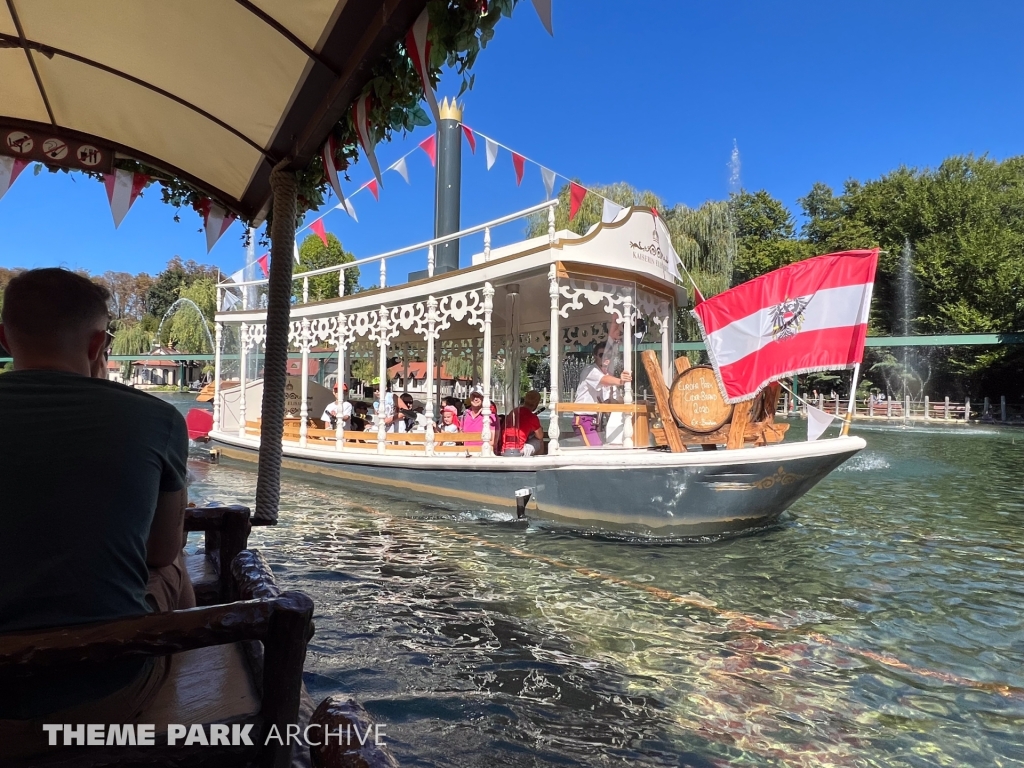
(448, 193)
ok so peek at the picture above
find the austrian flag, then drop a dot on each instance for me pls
(806, 317)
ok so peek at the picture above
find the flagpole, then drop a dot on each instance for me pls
(853, 401)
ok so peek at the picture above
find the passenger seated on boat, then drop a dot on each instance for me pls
(473, 419)
(522, 434)
(386, 410)
(330, 415)
(406, 413)
(449, 420)
(359, 416)
(105, 541)
(593, 381)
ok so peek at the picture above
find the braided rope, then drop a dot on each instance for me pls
(282, 237)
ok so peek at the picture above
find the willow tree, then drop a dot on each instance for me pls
(190, 325)
(131, 339)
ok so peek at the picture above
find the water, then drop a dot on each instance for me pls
(178, 303)
(873, 627)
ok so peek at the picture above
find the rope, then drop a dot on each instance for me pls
(275, 376)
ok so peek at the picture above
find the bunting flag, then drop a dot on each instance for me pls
(346, 206)
(519, 163)
(543, 8)
(576, 195)
(216, 221)
(10, 168)
(264, 262)
(238, 276)
(123, 188)
(318, 227)
(230, 301)
(295, 247)
(470, 138)
(492, 152)
(418, 45)
(328, 156)
(817, 422)
(429, 145)
(401, 169)
(374, 189)
(361, 120)
(549, 181)
(609, 211)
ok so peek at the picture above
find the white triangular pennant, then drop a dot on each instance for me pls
(400, 167)
(327, 157)
(362, 123)
(817, 422)
(10, 167)
(230, 300)
(123, 188)
(549, 181)
(609, 211)
(346, 206)
(492, 152)
(216, 221)
(295, 246)
(543, 8)
(238, 276)
(418, 46)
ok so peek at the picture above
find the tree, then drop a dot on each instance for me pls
(313, 254)
(131, 340)
(765, 235)
(590, 211)
(127, 293)
(166, 288)
(190, 330)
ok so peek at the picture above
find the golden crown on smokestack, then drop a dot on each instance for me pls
(450, 110)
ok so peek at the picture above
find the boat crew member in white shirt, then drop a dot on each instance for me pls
(593, 380)
(330, 415)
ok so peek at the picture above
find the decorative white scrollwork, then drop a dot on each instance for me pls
(466, 306)
(361, 324)
(256, 335)
(407, 317)
(595, 292)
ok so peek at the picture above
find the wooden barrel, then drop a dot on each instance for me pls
(696, 400)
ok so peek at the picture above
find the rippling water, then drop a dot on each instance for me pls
(878, 624)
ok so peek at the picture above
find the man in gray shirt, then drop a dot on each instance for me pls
(93, 476)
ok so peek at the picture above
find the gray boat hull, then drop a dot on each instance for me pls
(642, 492)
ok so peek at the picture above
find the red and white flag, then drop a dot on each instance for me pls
(328, 156)
(123, 188)
(361, 121)
(318, 227)
(10, 167)
(806, 317)
(418, 46)
(216, 221)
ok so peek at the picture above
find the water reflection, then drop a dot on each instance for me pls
(879, 624)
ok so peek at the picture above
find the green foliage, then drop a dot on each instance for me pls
(131, 340)
(363, 369)
(589, 213)
(459, 367)
(313, 254)
(765, 235)
(187, 330)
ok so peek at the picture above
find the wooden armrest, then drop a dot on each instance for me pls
(227, 533)
(215, 518)
(156, 634)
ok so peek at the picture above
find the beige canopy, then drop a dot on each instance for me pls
(215, 92)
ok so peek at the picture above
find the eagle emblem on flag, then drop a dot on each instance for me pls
(788, 317)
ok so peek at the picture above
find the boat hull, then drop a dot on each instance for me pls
(651, 493)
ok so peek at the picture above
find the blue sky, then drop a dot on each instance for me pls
(652, 93)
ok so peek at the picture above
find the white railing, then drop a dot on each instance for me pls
(428, 246)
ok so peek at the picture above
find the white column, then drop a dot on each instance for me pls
(382, 342)
(218, 329)
(488, 307)
(551, 225)
(431, 323)
(304, 389)
(430, 261)
(667, 368)
(487, 243)
(305, 290)
(553, 349)
(339, 435)
(243, 341)
(383, 273)
(627, 367)
(341, 282)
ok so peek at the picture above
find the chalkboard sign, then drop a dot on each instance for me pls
(696, 401)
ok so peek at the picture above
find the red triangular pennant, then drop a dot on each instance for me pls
(123, 188)
(361, 121)
(518, 162)
(429, 145)
(264, 262)
(470, 138)
(576, 195)
(216, 221)
(10, 168)
(372, 186)
(318, 227)
(417, 43)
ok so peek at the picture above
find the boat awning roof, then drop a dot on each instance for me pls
(215, 92)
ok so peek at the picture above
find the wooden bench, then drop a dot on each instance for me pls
(367, 440)
(938, 410)
(234, 663)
